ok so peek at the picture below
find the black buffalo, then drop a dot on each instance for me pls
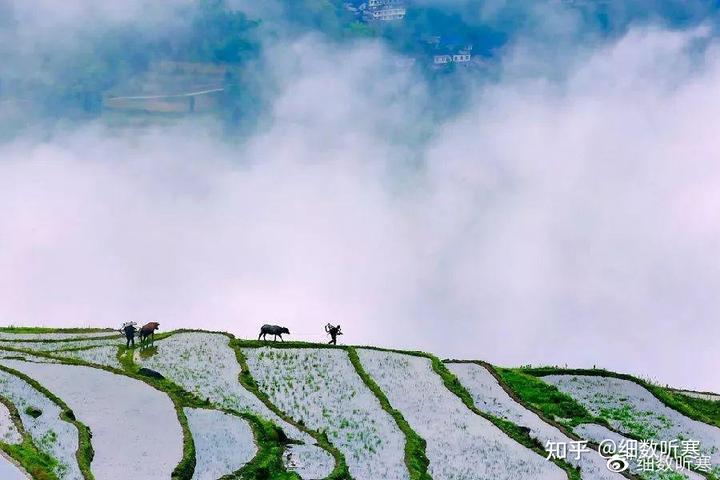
(275, 330)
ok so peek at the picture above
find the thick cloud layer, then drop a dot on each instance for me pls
(557, 219)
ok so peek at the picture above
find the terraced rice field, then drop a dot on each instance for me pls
(137, 429)
(128, 419)
(58, 336)
(10, 471)
(598, 433)
(106, 355)
(223, 442)
(631, 409)
(713, 397)
(53, 436)
(490, 397)
(54, 346)
(27, 357)
(460, 444)
(204, 364)
(321, 389)
(9, 432)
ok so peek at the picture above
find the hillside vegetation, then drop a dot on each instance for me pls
(108, 65)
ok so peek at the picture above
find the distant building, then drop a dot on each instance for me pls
(461, 57)
(385, 3)
(385, 13)
(449, 50)
(378, 10)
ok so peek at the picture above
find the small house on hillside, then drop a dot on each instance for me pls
(450, 50)
(378, 10)
(385, 14)
(385, 3)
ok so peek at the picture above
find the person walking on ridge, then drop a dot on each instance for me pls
(333, 331)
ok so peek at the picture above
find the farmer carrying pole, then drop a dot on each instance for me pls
(129, 330)
(333, 331)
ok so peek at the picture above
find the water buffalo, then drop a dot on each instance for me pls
(148, 330)
(272, 330)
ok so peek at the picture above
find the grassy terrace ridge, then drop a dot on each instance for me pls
(686, 390)
(697, 407)
(546, 398)
(28, 452)
(38, 464)
(706, 411)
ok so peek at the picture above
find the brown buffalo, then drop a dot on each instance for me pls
(148, 330)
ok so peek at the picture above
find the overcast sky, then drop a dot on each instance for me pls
(568, 214)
